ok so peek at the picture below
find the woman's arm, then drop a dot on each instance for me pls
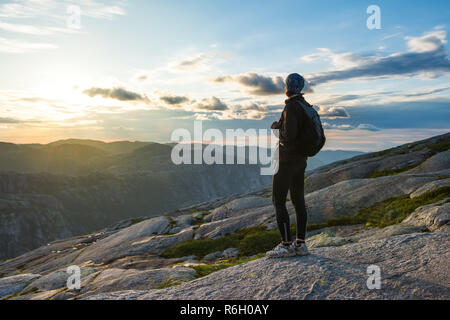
(289, 130)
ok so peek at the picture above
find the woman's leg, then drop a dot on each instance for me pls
(280, 188)
(298, 200)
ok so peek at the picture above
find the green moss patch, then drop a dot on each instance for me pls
(438, 147)
(387, 212)
(327, 239)
(391, 172)
(204, 270)
(249, 241)
(259, 241)
(169, 283)
(136, 220)
(383, 152)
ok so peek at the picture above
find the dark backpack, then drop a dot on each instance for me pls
(312, 137)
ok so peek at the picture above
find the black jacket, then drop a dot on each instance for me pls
(291, 122)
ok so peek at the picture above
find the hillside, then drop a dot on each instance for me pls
(390, 209)
(72, 187)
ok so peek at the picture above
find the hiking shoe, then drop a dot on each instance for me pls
(300, 249)
(281, 251)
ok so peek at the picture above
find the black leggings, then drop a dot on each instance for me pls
(290, 176)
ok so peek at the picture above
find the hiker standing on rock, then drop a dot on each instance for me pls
(300, 135)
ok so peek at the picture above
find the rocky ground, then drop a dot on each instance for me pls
(413, 266)
(37, 208)
(130, 260)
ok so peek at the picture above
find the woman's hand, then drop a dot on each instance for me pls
(275, 125)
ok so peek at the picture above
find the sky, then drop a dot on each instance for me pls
(138, 69)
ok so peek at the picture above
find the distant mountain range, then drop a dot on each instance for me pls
(71, 187)
(79, 157)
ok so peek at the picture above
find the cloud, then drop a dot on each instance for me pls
(260, 85)
(30, 29)
(413, 114)
(202, 117)
(252, 106)
(53, 12)
(430, 41)
(327, 125)
(425, 92)
(367, 127)
(339, 60)
(200, 61)
(20, 9)
(141, 77)
(249, 111)
(362, 126)
(215, 108)
(211, 104)
(333, 112)
(192, 63)
(101, 11)
(18, 46)
(9, 120)
(173, 100)
(381, 97)
(336, 98)
(393, 35)
(117, 93)
(256, 84)
(427, 55)
(25, 9)
(246, 111)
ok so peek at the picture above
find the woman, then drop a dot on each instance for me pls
(291, 171)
